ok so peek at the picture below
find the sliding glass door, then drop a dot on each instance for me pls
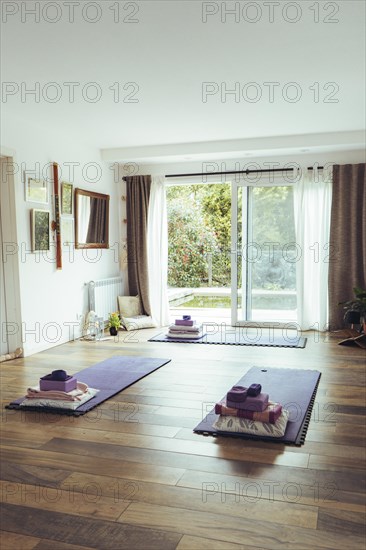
(263, 253)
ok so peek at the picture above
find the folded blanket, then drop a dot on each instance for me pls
(73, 395)
(58, 403)
(193, 328)
(251, 427)
(269, 415)
(185, 335)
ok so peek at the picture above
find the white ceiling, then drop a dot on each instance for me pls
(169, 53)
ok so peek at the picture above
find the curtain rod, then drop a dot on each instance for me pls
(232, 172)
(236, 172)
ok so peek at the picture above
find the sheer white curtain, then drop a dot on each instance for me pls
(157, 243)
(312, 203)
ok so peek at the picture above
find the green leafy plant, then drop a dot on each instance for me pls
(114, 320)
(358, 303)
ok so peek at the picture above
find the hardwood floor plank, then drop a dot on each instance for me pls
(178, 451)
(94, 533)
(89, 502)
(337, 463)
(119, 424)
(23, 473)
(83, 463)
(312, 492)
(337, 521)
(46, 544)
(197, 499)
(146, 457)
(344, 481)
(12, 541)
(235, 530)
(155, 479)
(198, 543)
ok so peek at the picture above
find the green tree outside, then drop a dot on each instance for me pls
(199, 232)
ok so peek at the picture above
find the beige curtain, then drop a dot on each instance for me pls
(138, 196)
(347, 246)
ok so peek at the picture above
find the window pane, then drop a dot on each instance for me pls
(272, 258)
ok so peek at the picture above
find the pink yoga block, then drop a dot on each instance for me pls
(58, 385)
(256, 404)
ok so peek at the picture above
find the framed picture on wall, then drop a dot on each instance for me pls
(36, 190)
(40, 229)
(66, 198)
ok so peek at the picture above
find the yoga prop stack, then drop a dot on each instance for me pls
(249, 411)
(110, 376)
(294, 389)
(58, 390)
(185, 328)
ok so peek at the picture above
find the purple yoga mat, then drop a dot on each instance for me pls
(294, 389)
(110, 377)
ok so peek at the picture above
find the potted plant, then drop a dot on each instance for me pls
(356, 308)
(114, 322)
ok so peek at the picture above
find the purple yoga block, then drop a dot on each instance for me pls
(58, 385)
(185, 322)
(254, 390)
(255, 404)
(237, 394)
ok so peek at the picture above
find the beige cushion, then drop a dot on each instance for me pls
(253, 427)
(137, 322)
(129, 306)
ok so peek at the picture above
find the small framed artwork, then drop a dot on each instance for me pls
(66, 198)
(67, 231)
(40, 229)
(35, 190)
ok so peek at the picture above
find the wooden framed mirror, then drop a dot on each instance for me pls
(91, 219)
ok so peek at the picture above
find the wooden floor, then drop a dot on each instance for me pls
(131, 474)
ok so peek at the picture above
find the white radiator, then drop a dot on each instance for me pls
(103, 296)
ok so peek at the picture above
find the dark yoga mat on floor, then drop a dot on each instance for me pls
(294, 389)
(238, 338)
(110, 377)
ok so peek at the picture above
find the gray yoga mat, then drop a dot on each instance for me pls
(237, 337)
(295, 389)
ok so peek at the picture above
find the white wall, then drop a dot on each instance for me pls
(51, 298)
(252, 163)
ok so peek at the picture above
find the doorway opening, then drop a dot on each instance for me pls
(232, 252)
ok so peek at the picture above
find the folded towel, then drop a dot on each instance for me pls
(185, 335)
(59, 403)
(193, 328)
(270, 414)
(256, 404)
(74, 395)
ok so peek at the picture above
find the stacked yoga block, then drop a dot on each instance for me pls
(185, 328)
(249, 403)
